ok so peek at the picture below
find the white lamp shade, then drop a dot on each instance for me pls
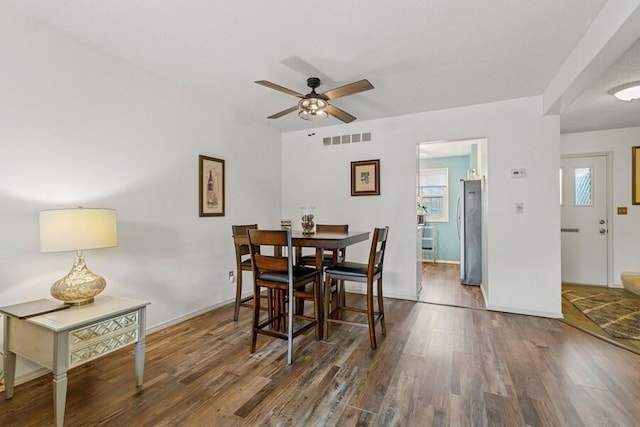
(77, 229)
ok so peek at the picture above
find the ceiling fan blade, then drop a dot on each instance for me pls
(350, 89)
(339, 114)
(284, 112)
(279, 88)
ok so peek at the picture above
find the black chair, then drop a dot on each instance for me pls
(277, 274)
(243, 263)
(361, 273)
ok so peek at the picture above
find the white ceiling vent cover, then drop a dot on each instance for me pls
(353, 138)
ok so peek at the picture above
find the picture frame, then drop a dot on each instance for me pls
(211, 186)
(365, 178)
(635, 175)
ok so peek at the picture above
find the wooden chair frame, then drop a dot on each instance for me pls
(353, 272)
(277, 274)
(239, 234)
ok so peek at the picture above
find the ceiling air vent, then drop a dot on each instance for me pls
(353, 138)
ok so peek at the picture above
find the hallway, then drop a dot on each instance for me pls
(441, 285)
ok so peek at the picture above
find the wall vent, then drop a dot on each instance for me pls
(353, 138)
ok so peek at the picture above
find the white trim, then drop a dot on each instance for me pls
(546, 314)
(609, 204)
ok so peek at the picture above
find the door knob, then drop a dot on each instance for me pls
(603, 231)
(602, 221)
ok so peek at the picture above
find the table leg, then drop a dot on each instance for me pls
(9, 362)
(140, 346)
(59, 396)
(139, 362)
(320, 266)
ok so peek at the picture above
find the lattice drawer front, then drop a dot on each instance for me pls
(104, 328)
(97, 349)
(93, 341)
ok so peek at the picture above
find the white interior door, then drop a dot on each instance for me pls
(584, 221)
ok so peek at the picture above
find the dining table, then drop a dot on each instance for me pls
(326, 240)
(321, 241)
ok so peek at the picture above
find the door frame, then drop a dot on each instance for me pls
(609, 204)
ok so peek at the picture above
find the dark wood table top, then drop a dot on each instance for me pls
(322, 240)
(326, 240)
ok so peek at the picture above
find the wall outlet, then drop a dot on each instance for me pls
(519, 207)
(622, 210)
(232, 277)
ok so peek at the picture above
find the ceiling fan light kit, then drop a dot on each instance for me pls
(312, 107)
(315, 106)
(627, 92)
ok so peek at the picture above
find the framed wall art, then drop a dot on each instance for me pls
(211, 186)
(365, 178)
(635, 175)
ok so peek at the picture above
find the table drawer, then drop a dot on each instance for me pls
(95, 340)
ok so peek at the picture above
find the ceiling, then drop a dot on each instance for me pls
(425, 55)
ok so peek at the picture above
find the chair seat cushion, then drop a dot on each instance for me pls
(299, 274)
(354, 269)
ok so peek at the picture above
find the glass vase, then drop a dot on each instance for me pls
(308, 225)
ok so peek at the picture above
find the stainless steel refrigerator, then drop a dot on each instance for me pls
(470, 232)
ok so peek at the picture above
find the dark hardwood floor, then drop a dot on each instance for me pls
(437, 366)
(441, 285)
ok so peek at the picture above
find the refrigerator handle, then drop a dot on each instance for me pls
(458, 216)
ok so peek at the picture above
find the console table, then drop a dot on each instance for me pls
(64, 339)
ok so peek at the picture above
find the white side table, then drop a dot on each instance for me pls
(68, 338)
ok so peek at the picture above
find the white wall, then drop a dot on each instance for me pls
(523, 251)
(81, 128)
(623, 229)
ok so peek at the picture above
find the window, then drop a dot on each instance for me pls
(583, 186)
(434, 194)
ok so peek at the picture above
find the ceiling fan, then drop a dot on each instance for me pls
(316, 106)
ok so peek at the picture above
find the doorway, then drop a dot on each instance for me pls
(585, 219)
(441, 167)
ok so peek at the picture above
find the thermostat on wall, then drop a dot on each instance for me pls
(518, 173)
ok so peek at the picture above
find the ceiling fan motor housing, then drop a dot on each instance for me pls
(313, 82)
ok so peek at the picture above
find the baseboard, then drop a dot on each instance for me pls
(536, 313)
(187, 316)
(28, 376)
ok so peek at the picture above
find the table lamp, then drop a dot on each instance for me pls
(77, 229)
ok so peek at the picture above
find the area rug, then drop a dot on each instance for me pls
(617, 315)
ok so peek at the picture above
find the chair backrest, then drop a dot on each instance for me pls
(378, 246)
(332, 228)
(239, 233)
(335, 228)
(275, 262)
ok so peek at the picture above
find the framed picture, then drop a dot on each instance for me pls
(211, 186)
(635, 175)
(365, 178)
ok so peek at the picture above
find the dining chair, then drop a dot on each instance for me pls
(330, 256)
(243, 263)
(277, 274)
(369, 274)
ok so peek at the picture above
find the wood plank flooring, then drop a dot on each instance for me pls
(441, 285)
(437, 366)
